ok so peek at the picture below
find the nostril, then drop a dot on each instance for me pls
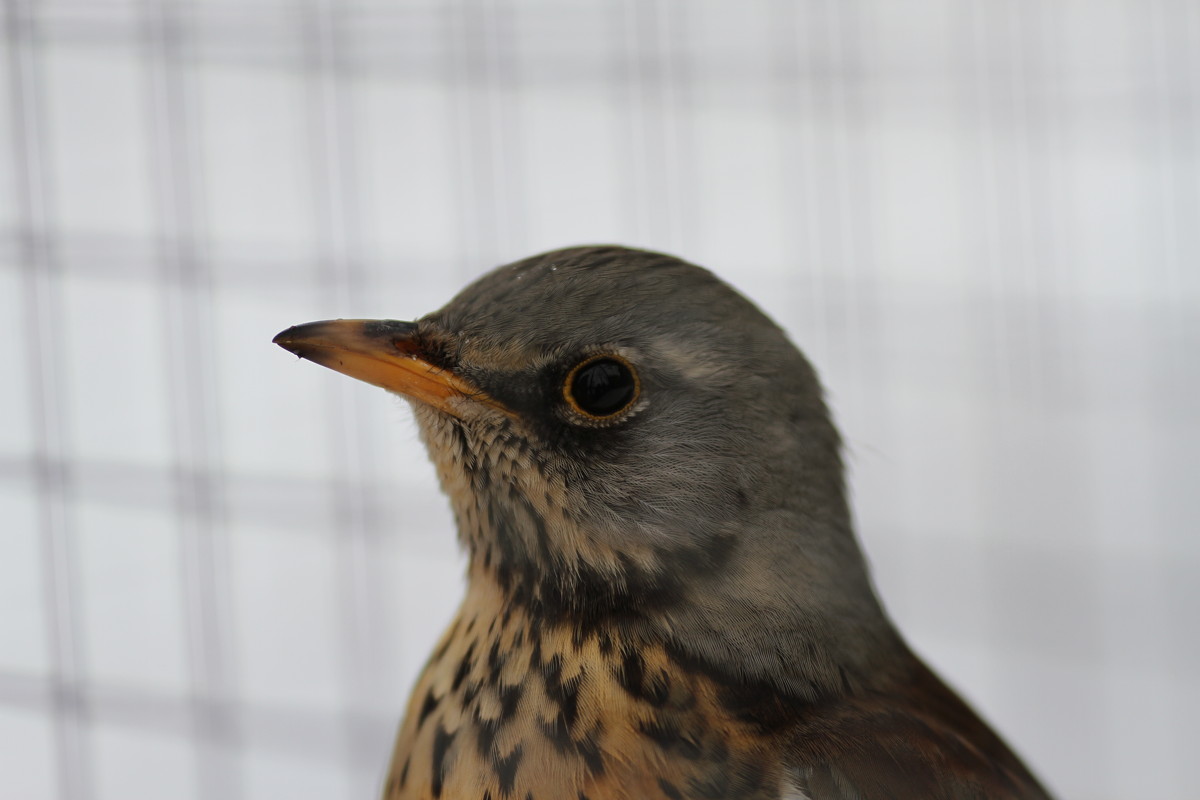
(409, 346)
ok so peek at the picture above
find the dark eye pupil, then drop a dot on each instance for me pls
(603, 387)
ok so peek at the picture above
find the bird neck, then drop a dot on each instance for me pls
(790, 606)
(736, 612)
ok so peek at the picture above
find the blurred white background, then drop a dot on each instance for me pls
(220, 568)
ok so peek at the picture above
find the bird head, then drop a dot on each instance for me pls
(623, 435)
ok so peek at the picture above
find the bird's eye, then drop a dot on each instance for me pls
(601, 386)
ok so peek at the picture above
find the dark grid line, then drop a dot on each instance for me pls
(1166, 48)
(1148, 39)
(848, 182)
(789, 100)
(1054, 276)
(655, 153)
(813, 166)
(988, 91)
(186, 289)
(984, 190)
(1033, 188)
(681, 144)
(122, 258)
(481, 73)
(43, 310)
(339, 244)
(831, 178)
(281, 729)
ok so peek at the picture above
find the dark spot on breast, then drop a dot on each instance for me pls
(464, 667)
(589, 749)
(552, 669)
(442, 739)
(486, 736)
(495, 663)
(506, 770)
(657, 690)
(667, 735)
(564, 694)
(504, 574)
(629, 674)
(396, 783)
(558, 734)
(470, 692)
(510, 696)
(427, 708)
(535, 654)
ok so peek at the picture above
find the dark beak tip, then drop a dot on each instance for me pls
(285, 339)
(292, 340)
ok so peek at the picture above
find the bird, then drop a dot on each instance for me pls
(666, 597)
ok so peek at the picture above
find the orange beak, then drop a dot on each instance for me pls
(384, 353)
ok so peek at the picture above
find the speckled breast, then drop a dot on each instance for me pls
(512, 708)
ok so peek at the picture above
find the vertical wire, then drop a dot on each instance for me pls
(980, 187)
(810, 110)
(70, 713)
(680, 145)
(458, 122)
(486, 129)
(644, 104)
(624, 80)
(856, 228)
(339, 265)
(1180, 39)
(1162, 108)
(789, 102)
(197, 475)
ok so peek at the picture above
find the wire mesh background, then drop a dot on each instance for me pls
(220, 569)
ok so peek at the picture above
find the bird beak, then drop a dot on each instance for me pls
(385, 353)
